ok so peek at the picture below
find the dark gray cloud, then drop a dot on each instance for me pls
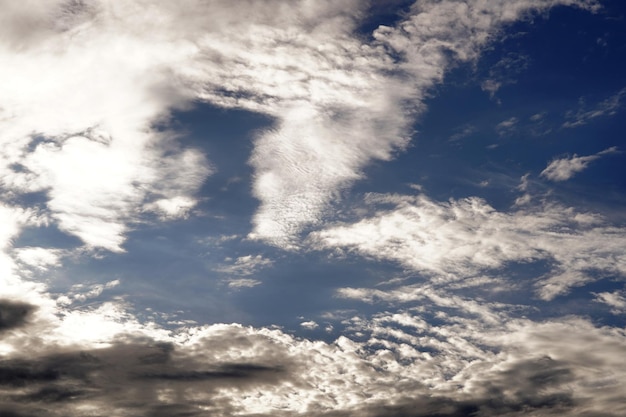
(14, 314)
(145, 378)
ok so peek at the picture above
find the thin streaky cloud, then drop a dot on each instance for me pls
(607, 107)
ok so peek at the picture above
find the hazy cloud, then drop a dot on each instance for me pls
(507, 127)
(584, 115)
(616, 300)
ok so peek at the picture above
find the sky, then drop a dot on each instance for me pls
(325, 208)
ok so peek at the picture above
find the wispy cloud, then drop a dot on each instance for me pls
(503, 72)
(506, 127)
(565, 168)
(462, 238)
(463, 132)
(238, 283)
(616, 300)
(584, 115)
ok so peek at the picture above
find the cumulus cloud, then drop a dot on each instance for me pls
(459, 239)
(309, 325)
(565, 168)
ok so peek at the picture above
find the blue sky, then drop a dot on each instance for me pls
(329, 208)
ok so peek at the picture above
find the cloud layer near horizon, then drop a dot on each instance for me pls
(403, 366)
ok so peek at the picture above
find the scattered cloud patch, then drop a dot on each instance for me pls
(245, 265)
(239, 283)
(81, 292)
(39, 258)
(607, 107)
(507, 127)
(565, 168)
(460, 239)
(504, 72)
(309, 325)
(463, 132)
(616, 300)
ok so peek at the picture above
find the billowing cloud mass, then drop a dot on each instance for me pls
(102, 195)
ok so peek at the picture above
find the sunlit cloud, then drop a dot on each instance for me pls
(565, 168)
(460, 239)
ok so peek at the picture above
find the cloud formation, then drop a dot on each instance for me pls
(85, 132)
(89, 136)
(565, 168)
(401, 366)
(460, 239)
(583, 115)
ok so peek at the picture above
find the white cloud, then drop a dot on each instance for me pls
(565, 168)
(245, 265)
(80, 131)
(39, 258)
(616, 300)
(82, 292)
(239, 283)
(309, 325)
(314, 153)
(83, 129)
(460, 239)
